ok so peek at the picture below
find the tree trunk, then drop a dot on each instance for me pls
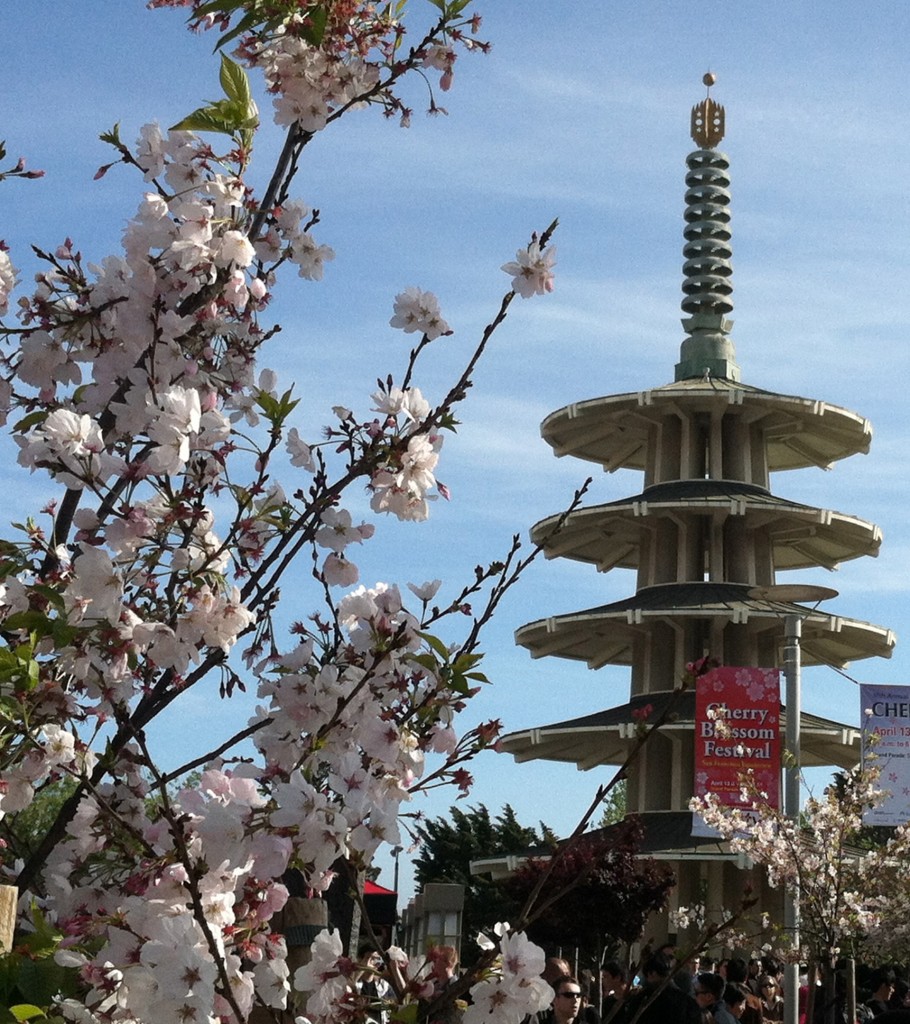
(829, 988)
(851, 989)
(344, 908)
(300, 921)
(9, 896)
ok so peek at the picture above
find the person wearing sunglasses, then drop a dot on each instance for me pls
(567, 1001)
(772, 1002)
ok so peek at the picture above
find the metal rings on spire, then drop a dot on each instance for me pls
(707, 269)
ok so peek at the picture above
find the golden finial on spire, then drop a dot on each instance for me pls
(708, 118)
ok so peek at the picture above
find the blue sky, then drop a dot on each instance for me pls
(581, 111)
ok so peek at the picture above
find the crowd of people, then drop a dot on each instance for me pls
(699, 991)
(705, 991)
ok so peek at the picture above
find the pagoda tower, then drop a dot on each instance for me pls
(706, 537)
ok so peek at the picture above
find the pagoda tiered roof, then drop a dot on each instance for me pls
(803, 536)
(607, 737)
(614, 431)
(605, 635)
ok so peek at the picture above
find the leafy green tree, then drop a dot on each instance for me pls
(30, 978)
(22, 832)
(614, 806)
(449, 844)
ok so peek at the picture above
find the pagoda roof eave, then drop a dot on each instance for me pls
(604, 635)
(607, 737)
(613, 430)
(802, 536)
(666, 836)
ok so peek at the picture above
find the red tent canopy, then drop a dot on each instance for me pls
(372, 889)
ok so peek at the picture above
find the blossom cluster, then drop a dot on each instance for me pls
(516, 988)
(353, 59)
(532, 270)
(510, 987)
(138, 389)
(817, 859)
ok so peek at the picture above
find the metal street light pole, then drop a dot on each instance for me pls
(793, 627)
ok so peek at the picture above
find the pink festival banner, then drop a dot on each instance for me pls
(737, 730)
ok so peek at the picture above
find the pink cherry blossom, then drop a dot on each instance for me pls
(140, 379)
(532, 270)
(426, 591)
(301, 453)
(339, 572)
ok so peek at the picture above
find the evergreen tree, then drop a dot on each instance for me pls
(449, 844)
(614, 807)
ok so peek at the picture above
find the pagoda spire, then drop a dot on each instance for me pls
(708, 350)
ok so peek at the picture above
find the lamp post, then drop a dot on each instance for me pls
(793, 628)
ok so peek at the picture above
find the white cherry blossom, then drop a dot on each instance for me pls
(418, 311)
(7, 280)
(532, 270)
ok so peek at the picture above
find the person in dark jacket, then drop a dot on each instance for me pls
(709, 994)
(882, 985)
(566, 1007)
(738, 974)
(663, 1002)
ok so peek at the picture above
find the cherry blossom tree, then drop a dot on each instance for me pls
(139, 387)
(821, 860)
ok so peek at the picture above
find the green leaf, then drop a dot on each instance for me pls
(234, 81)
(9, 660)
(29, 620)
(449, 422)
(478, 676)
(459, 684)
(438, 646)
(112, 137)
(206, 119)
(41, 979)
(50, 594)
(246, 24)
(267, 403)
(27, 422)
(276, 410)
(314, 32)
(63, 633)
(38, 981)
(427, 660)
(466, 661)
(46, 937)
(25, 1011)
(237, 113)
